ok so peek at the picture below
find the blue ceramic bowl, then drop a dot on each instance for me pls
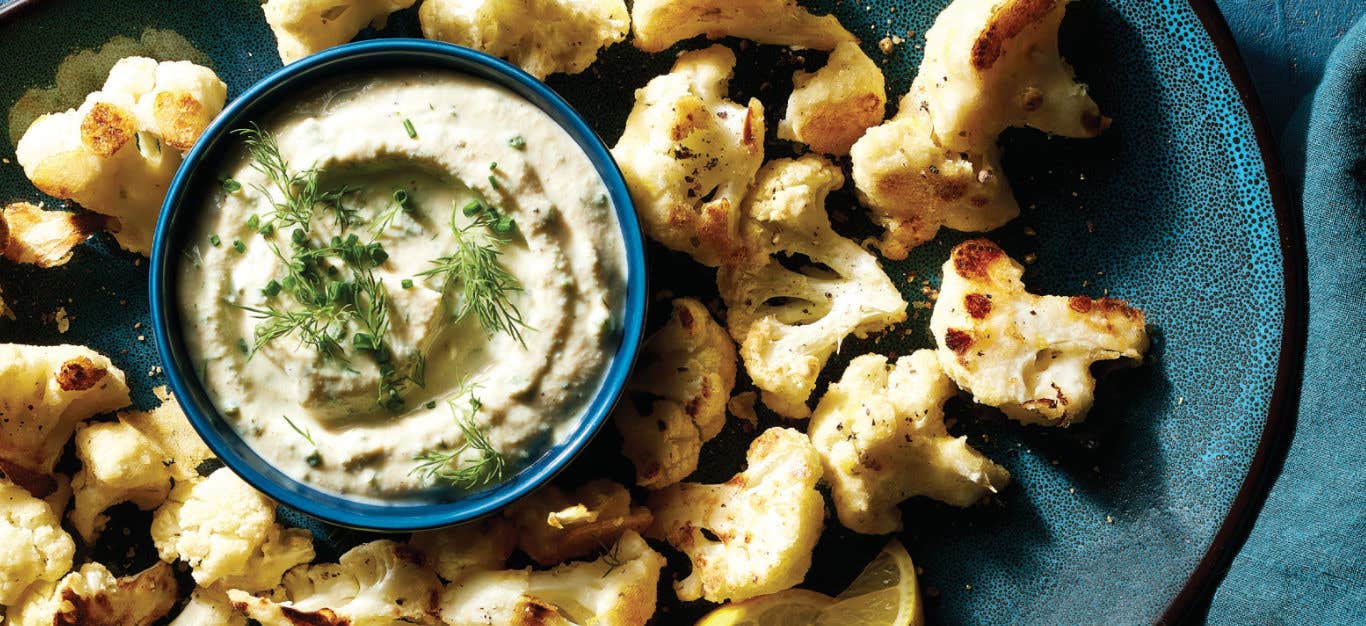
(179, 213)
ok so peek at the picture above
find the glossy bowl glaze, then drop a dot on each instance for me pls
(180, 211)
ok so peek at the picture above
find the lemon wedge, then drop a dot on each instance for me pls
(792, 607)
(884, 594)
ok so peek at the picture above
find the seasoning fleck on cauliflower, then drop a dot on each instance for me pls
(44, 392)
(788, 322)
(752, 534)
(830, 109)
(685, 372)
(457, 551)
(170, 430)
(209, 606)
(35, 546)
(617, 589)
(994, 64)
(94, 597)
(303, 27)
(553, 526)
(1028, 355)
(913, 185)
(689, 155)
(226, 532)
(542, 37)
(880, 432)
(380, 583)
(118, 464)
(658, 24)
(117, 152)
(32, 236)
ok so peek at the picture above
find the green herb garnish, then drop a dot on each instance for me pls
(408, 126)
(468, 474)
(240, 247)
(230, 185)
(215, 240)
(477, 279)
(517, 142)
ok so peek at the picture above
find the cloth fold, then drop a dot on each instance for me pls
(1304, 561)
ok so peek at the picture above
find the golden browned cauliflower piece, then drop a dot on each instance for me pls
(458, 551)
(553, 526)
(35, 546)
(381, 583)
(44, 392)
(992, 64)
(913, 185)
(303, 27)
(880, 431)
(689, 155)
(94, 597)
(226, 532)
(831, 108)
(208, 606)
(30, 235)
(118, 464)
(687, 371)
(658, 24)
(752, 534)
(170, 430)
(1028, 355)
(617, 589)
(117, 152)
(788, 322)
(542, 37)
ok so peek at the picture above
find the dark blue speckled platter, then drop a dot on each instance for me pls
(1177, 208)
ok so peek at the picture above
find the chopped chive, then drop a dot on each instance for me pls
(315, 459)
(272, 288)
(494, 182)
(242, 345)
(230, 185)
(408, 126)
(215, 240)
(401, 198)
(517, 142)
(474, 208)
(364, 341)
(240, 247)
(493, 165)
(431, 404)
(406, 283)
(504, 225)
(253, 222)
(299, 236)
(268, 229)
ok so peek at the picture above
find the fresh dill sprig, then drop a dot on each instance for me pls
(315, 458)
(468, 474)
(316, 327)
(475, 274)
(297, 194)
(612, 558)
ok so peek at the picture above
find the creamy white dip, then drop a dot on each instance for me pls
(444, 139)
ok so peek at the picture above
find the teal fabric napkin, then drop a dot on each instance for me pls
(1305, 559)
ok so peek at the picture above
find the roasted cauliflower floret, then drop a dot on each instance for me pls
(94, 597)
(116, 153)
(30, 235)
(684, 374)
(658, 24)
(226, 532)
(118, 464)
(542, 37)
(208, 606)
(458, 551)
(168, 428)
(380, 583)
(880, 432)
(788, 322)
(913, 185)
(615, 590)
(303, 27)
(553, 526)
(1028, 355)
(689, 155)
(35, 546)
(831, 108)
(752, 534)
(44, 392)
(992, 64)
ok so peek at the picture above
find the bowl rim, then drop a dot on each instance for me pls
(266, 95)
